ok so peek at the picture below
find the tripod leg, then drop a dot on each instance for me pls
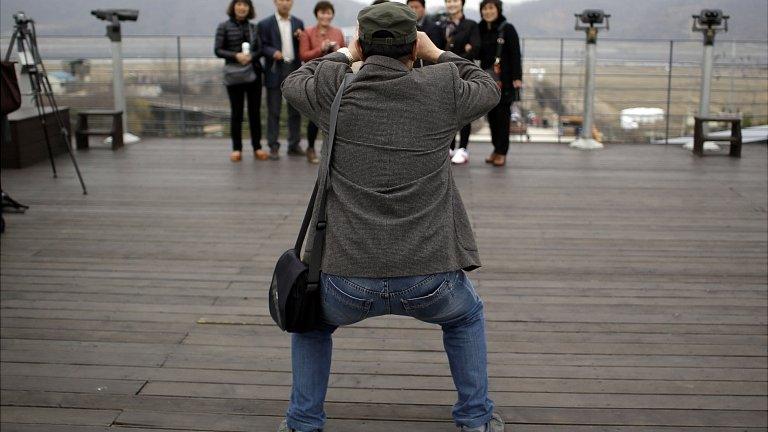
(62, 129)
(10, 45)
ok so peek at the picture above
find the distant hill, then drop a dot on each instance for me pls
(156, 17)
(644, 19)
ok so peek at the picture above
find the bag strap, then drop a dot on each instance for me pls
(313, 278)
(500, 40)
(316, 258)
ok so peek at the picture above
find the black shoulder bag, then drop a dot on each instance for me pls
(495, 70)
(236, 73)
(294, 295)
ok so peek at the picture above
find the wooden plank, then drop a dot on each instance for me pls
(361, 410)
(263, 369)
(38, 415)
(72, 385)
(23, 427)
(507, 399)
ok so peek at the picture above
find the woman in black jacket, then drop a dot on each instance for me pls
(462, 38)
(231, 37)
(508, 72)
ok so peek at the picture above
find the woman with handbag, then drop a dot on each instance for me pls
(238, 43)
(462, 38)
(316, 42)
(500, 57)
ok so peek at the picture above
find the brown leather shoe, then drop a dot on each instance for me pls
(500, 161)
(491, 158)
(260, 155)
(312, 156)
(235, 156)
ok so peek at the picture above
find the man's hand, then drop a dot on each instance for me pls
(278, 55)
(243, 58)
(517, 84)
(426, 49)
(467, 48)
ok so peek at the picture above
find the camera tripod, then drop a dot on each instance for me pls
(25, 38)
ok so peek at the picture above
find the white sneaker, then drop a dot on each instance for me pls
(451, 152)
(461, 156)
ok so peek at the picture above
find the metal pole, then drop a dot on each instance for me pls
(589, 92)
(560, 92)
(731, 107)
(669, 89)
(706, 79)
(118, 82)
(586, 142)
(182, 117)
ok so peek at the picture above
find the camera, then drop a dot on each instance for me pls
(592, 16)
(20, 18)
(710, 17)
(120, 14)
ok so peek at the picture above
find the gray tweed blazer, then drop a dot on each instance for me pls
(394, 209)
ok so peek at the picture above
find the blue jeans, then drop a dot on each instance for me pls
(447, 299)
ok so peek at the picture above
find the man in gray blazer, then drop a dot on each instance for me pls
(398, 239)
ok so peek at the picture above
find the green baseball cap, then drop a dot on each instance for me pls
(396, 18)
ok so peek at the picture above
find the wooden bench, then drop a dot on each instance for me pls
(82, 132)
(699, 138)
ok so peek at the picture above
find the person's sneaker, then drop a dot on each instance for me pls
(451, 152)
(496, 424)
(273, 154)
(284, 427)
(460, 157)
(235, 156)
(312, 156)
(260, 155)
(296, 151)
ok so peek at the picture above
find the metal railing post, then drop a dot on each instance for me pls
(182, 116)
(669, 89)
(560, 92)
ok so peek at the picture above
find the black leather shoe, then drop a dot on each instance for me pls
(296, 151)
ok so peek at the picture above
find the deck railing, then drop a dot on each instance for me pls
(173, 83)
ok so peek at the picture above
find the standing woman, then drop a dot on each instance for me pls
(316, 42)
(242, 73)
(500, 55)
(462, 38)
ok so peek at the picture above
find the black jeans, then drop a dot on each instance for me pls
(274, 104)
(498, 120)
(237, 94)
(463, 137)
(312, 131)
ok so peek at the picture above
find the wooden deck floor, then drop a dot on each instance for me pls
(625, 291)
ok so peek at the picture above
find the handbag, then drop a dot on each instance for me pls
(9, 88)
(294, 294)
(495, 70)
(236, 73)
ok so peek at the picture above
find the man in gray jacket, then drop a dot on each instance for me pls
(398, 240)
